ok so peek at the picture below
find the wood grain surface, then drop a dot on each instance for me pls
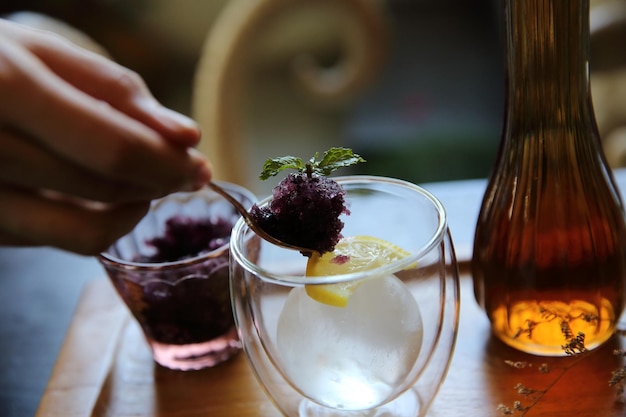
(105, 369)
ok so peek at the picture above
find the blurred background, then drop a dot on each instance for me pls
(414, 86)
(432, 111)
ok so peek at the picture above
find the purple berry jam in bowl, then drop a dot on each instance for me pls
(172, 273)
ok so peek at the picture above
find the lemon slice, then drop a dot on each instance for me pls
(352, 254)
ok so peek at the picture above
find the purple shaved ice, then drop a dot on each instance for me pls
(179, 311)
(185, 238)
(304, 211)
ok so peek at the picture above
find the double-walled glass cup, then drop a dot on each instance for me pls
(387, 351)
(182, 305)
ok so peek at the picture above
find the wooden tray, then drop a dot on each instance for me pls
(105, 369)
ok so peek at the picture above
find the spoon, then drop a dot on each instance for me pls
(252, 223)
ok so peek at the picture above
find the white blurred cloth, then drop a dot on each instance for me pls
(608, 76)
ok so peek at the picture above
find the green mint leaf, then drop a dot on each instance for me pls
(336, 158)
(275, 165)
(332, 159)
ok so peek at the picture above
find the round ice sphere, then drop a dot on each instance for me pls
(352, 357)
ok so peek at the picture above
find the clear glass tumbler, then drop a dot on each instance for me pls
(386, 352)
(182, 305)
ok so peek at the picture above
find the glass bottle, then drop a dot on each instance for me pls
(550, 246)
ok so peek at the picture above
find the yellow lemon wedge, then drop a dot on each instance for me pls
(352, 254)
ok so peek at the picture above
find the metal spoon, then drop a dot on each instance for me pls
(253, 225)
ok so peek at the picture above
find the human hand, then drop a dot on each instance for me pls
(84, 147)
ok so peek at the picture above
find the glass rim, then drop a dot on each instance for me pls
(109, 259)
(116, 262)
(242, 229)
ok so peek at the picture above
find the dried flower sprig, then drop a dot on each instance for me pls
(517, 407)
(532, 394)
(518, 364)
(575, 346)
(544, 368)
(549, 315)
(618, 377)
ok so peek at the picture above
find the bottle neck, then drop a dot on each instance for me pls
(547, 43)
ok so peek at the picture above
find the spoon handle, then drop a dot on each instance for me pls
(252, 224)
(232, 200)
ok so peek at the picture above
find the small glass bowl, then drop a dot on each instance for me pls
(183, 306)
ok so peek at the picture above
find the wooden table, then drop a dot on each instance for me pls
(40, 288)
(105, 369)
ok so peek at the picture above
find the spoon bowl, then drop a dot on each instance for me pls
(253, 224)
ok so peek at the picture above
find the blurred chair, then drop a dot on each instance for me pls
(274, 77)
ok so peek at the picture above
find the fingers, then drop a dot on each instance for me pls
(84, 146)
(30, 219)
(24, 164)
(92, 134)
(122, 89)
(105, 80)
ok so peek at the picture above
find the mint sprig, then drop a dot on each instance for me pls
(333, 159)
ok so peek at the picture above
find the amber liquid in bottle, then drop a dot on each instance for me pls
(550, 247)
